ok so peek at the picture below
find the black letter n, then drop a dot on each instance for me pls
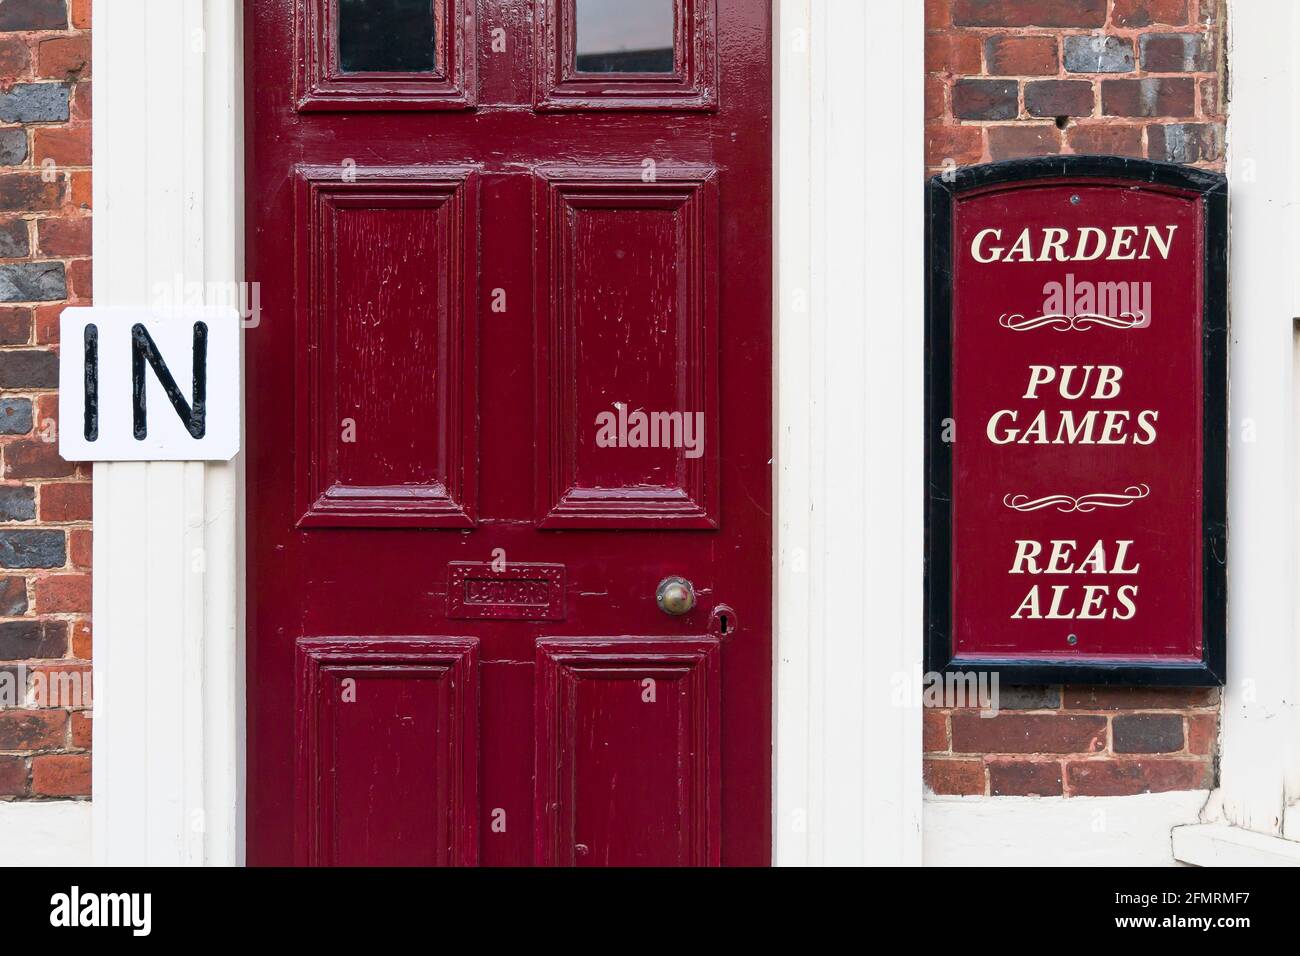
(142, 349)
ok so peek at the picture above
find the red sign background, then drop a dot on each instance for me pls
(1146, 494)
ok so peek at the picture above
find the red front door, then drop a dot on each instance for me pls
(512, 371)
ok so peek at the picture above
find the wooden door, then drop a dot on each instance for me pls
(512, 371)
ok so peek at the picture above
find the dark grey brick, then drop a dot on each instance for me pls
(1174, 53)
(15, 416)
(13, 239)
(33, 282)
(1027, 697)
(35, 103)
(1185, 142)
(985, 99)
(29, 368)
(32, 549)
(24, 640)
(1147, 733)
(33, 15)
(13, 146)
(1098, 54)
(17, 503)
(13, 596)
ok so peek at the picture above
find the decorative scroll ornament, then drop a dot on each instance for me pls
(1083, 504)
(1082, 322)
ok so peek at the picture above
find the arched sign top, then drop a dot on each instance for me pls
(1076, 421)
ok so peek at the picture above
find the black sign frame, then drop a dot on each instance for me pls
(942, 192)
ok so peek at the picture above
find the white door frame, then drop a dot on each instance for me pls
(168, 662)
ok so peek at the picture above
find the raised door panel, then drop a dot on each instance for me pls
(387, 360)
(628, 752)
(387, 768)
(627, 348)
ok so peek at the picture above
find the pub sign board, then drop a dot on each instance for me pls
(1076, 456)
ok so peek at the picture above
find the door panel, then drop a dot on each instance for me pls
(461, 271)
(387, 288)
(412, 801)
(628, 756)
(626, 274)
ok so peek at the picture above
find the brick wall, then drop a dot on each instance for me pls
(1012, 78)
(45, 503)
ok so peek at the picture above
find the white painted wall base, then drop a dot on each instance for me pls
(1218, 844)
(54, 833)
(1056, 831)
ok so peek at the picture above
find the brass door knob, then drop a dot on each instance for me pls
(675, 595)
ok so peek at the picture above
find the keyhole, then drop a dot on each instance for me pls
(723, 620)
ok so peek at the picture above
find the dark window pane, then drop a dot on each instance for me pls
(625, 36)
(387, 36)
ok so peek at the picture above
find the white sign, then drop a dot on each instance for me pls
(149, 384)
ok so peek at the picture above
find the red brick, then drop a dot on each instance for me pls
(46, 320)
(1143, 13)
(82, 644)
(81, 188)
(26, 191)
(65, 145)
(1105, 139)
(1028, 733)
(47, 411)
(32, 729)
(1024, 778)
(82, 102)
(1022, 56)
(1210, 97)
(63, 58)
(14, 60)
(1113, 778)
(60, 685)
(934, 97)
(934, 731)
(34, 458)
(964, 777)
(1139, 698)
(83, 727)
(1015, 142)
(81, 14)
(1202, 733)
(938, 14)
(15, 326)
(80, 280)
(63, 594)
(956, 53)
(64, 237)
(1153, 96)
(13, 776)
(962, 145)
(1029, 13)
(65, 501)
(79, 548)
(61, 775)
